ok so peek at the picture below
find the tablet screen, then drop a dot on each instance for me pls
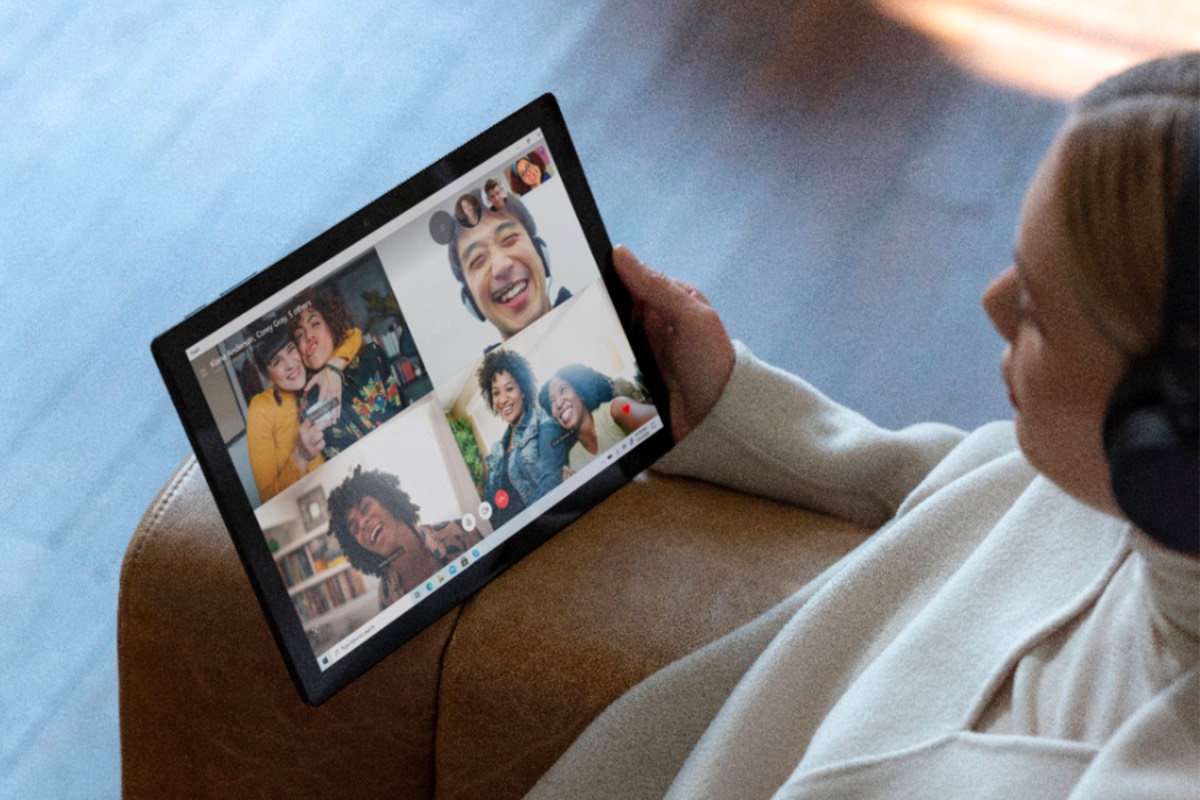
(414, 402)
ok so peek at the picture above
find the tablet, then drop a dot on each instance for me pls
(404, 407)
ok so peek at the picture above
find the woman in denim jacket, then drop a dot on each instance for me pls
(528, 460)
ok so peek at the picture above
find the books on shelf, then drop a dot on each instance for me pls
(327, 595)
(318, 575)
(308, 557)
(296, 567)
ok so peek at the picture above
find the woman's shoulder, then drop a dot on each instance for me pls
(539, 417)
(351, 344)
(609, 411)
(368, 353)
(497, 448)
(271, 402)
(989, 456)
(989, 442)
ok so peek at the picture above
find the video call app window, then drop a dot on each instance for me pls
(367, 419)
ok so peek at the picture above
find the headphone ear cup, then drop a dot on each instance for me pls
(469, 303)
(1155, 472)
(1137, 390)
(543, 251)
(1151, 431)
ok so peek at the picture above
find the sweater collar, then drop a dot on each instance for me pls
(1172, 582)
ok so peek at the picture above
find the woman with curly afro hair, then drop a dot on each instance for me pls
(528, 460)
(378, 527)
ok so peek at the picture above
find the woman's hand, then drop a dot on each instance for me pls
(687, 336)
(311, 442)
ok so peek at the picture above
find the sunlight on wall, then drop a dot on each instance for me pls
(1058, 49)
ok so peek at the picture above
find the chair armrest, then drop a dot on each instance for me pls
(206, 705)
(661, 568)
(478, 705)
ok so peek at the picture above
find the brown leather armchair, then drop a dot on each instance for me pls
(478, 705)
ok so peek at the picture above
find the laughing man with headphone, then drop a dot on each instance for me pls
(504, 269)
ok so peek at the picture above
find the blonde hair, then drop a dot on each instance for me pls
(1122, 151)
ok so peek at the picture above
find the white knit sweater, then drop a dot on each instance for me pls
(994, 639)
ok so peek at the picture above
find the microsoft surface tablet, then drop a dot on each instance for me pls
(410, 403)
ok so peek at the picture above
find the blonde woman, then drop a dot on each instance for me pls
(1008, 631)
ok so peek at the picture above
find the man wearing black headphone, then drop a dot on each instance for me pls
(504, 269)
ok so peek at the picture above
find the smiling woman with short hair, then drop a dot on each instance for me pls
(584, 402)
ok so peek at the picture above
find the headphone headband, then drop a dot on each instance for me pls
(1181, 316)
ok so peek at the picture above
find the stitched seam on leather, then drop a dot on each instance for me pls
(437, 708)
(132, 561)
(150, 522)
(168, 495)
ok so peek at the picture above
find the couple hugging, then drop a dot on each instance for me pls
(328, 390)
(552, 433)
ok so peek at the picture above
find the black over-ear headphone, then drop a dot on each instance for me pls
(468, 301)
(1151, 432)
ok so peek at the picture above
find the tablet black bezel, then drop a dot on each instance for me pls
(169, 351)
